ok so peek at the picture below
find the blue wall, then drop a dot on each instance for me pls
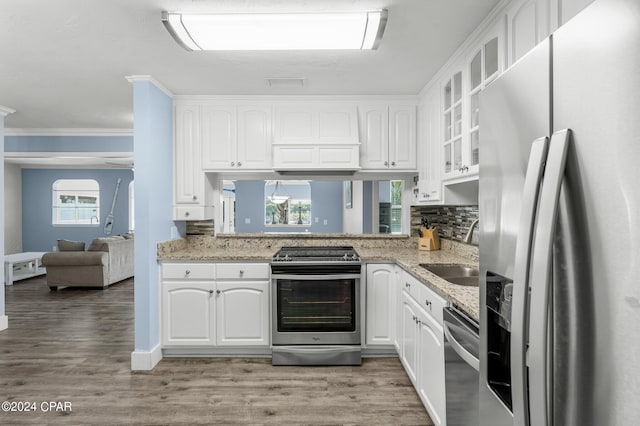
(326, 204)
(153, 156)
(2, 141)
(38, 233)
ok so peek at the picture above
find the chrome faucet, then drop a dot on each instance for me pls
(469, 236)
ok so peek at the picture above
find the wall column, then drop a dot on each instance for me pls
(153, 177)
(4, 111)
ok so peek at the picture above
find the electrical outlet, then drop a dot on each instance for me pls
(317, 219)
(247, 220)
(326, 221)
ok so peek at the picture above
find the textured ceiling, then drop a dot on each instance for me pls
(64, 62)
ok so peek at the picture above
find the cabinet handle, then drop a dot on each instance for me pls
(187, 272)
(393, 163)
(217, 291)
(241, 272)
(386, 163)
(427, 303)
(195, 197)
(186, 213)
(414, 318)
(210, 291)
(233, 163)
(407, 285)
(239, 164)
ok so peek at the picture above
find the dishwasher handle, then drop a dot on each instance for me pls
(460, 350)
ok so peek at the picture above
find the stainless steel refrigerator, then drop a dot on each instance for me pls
(560, 228)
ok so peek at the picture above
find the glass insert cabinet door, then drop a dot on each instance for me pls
(452, 117)
(323, 305)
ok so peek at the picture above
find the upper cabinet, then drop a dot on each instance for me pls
(236, 137)
(528, 23)
(452, 126)
(316, 136)
(192, 191)
(388, 135)
(315, 123)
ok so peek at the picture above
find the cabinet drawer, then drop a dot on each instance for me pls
(410, 285)
(248, 271)
(431, 302)
(192, 212)
(182, 271)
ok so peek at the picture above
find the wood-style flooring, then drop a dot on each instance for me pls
(75, 344)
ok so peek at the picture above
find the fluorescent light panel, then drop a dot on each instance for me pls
(277, 31)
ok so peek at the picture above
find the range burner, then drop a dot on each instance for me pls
(316, 255)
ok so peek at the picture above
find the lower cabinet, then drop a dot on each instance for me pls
(422, 344)
(243, 313)
(380, 306)
(198, 310)
(188, 313)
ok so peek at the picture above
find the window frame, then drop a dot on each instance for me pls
(56, 205)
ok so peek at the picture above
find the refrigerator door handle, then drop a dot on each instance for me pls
(541, 279)
(519, 323)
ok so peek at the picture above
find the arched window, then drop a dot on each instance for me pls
(287, 203)
(76, 202)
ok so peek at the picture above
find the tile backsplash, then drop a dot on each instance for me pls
(452, 221)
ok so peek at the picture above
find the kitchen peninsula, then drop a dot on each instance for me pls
(373, 249)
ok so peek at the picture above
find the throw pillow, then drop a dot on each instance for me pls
(66, 245)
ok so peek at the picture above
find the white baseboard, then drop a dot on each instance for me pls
(144, 361)
(4, 322)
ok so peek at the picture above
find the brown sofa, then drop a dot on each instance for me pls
(108, 260)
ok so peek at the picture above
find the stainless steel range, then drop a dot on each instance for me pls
(316, 306)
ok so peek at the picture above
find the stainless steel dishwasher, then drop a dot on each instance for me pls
(461, 363)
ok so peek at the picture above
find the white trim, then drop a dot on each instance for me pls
(299, 98)
(473, 38)
(67, 132)
(4, 111)
(4, 322)
(66, 154)
(145, 361)
(133, 78)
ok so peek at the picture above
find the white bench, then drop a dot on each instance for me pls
(29, 264)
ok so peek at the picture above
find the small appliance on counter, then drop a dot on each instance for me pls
(429, 239)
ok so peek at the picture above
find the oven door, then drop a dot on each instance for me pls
(320, 309)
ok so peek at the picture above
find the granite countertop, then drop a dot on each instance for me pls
(465, 297)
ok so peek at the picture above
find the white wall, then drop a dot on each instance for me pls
(12, 209)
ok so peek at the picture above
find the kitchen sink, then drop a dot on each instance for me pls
(456, 274)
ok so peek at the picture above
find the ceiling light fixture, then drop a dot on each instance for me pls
(277, 31)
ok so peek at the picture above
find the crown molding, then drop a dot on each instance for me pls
(67, 132)
(4, 111)
(133, 78)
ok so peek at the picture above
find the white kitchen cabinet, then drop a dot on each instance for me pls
(380, 304)
(315, 123)
(254, 149)
(215, 304)
(191, 186)
(422, 344)
(429, 142)
(243, 313)
(305, 157)
(188, 313)
(528, 23)
(409, 342)
(219, 127)
(431, 380)
(236, 137)
(388, 134)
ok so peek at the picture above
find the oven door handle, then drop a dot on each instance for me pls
(315, 277)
